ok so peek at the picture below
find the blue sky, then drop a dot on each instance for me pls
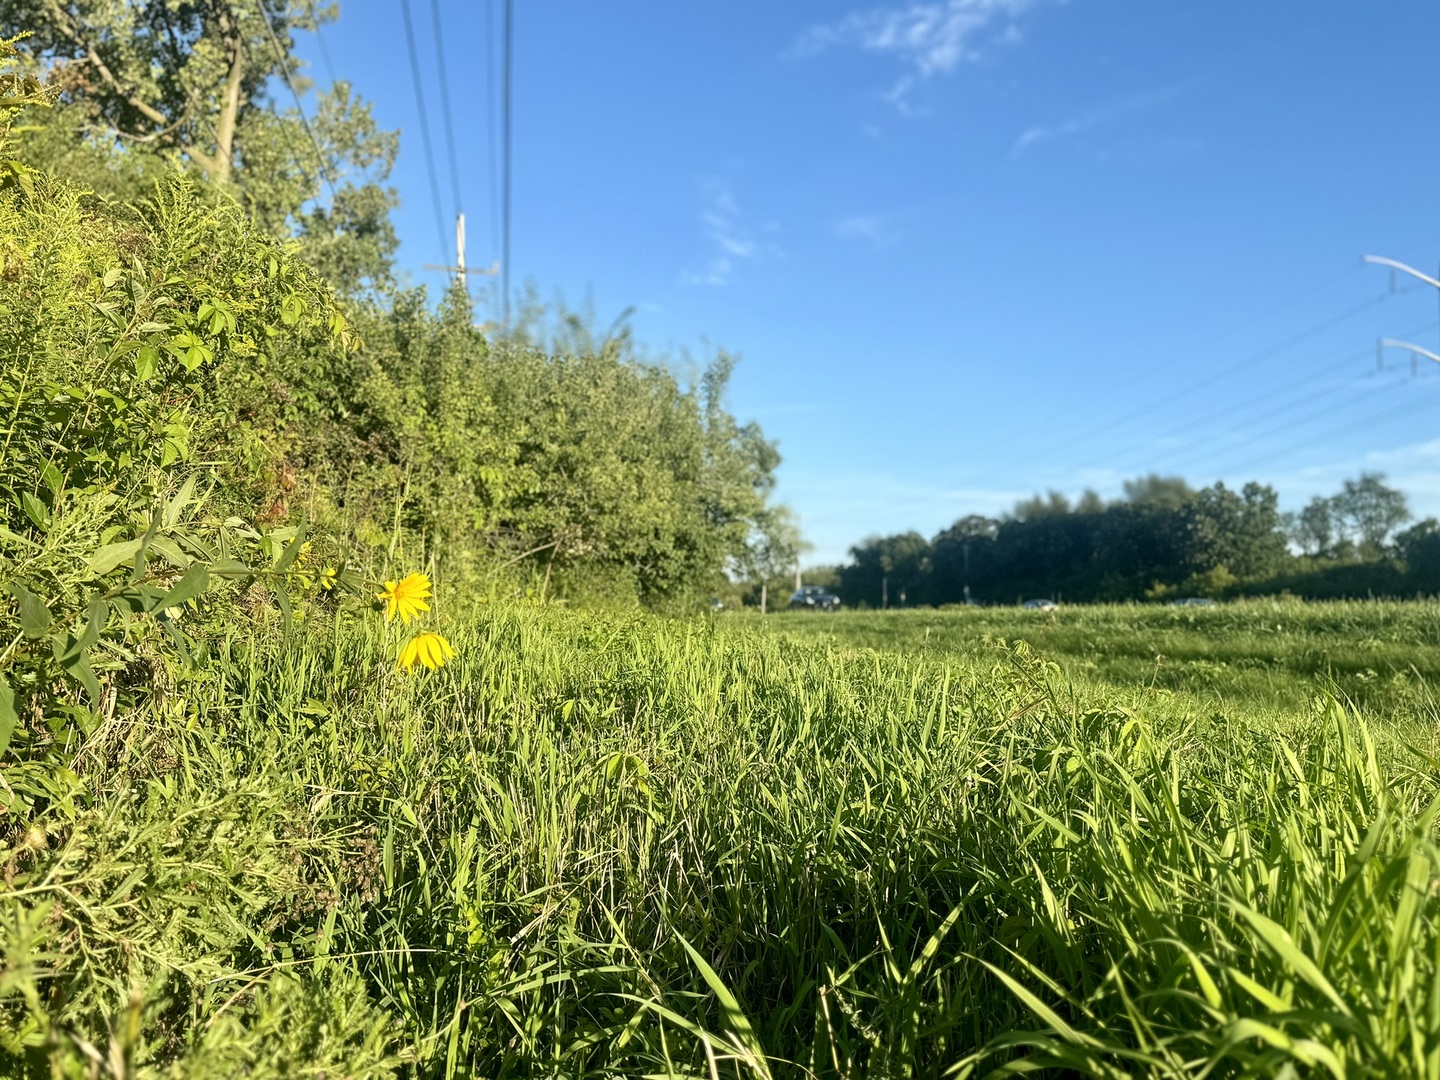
(972, 249)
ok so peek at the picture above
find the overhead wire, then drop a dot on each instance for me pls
(1131, 415)
(1287, 405)
(492, 164)
(325, 60)
(283, 63)
(1425, 401)
(508, 79)
(424, 127)
(445, 103)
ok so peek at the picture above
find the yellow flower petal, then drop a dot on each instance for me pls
(405, 597)
(429, 650)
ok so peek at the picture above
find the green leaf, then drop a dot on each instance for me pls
(182, 498)
(230, 568)
(35, 617)
(53, 480)
(1279, 939)
(9, 716)
(75, 660)
(170, 551)
(36, 511)
(141, 551)
(292, 549)
(97, 614)
(147, 361)
(193, 584)
(16, 538)
(287, 616)
(739, 1023)
(110, 556)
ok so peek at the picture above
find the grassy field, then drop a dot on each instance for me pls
(865, 846)
(1255, 655)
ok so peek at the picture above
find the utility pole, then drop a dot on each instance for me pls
(884, 592)
(967, 573)
(460, 269)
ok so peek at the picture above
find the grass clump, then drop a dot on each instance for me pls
(624, 846)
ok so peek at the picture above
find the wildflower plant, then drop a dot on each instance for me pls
(407, 599)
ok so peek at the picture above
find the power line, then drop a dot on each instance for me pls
(325, 61)
(505, 193)
(1424, 402)
(1311, 416)
(1203, 383)
(445, 104)
(424, 127)
(494, 156)
(282, 61)
(1288, 404)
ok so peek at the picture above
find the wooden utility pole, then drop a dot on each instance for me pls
(460, 269)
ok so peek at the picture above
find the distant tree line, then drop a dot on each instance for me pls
(1162, 539)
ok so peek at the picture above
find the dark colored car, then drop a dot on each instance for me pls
(814, 598)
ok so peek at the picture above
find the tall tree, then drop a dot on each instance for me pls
(1158, 492)
(1314, 529)
(151, 85)
(1371, 510)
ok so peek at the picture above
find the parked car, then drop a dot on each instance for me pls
(1040, 605)
(1193, 601)
(814, 598)
(716, 604)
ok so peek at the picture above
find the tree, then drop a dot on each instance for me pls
(1237, 530)
(1419, 546)
(1051, 504)
(149, 86)
(1371, 510)
(1314, 529)
(884, 568)
(773, 551)
(1156, 492)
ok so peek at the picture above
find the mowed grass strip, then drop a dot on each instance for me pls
(611, 845)
(1263, 654)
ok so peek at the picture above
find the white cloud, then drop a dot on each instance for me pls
(871, 228)
(732, 238)
(1091, 119)
(930, 39)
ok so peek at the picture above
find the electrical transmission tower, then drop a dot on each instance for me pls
(1415, 351)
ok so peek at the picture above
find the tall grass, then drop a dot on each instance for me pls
(624, 846)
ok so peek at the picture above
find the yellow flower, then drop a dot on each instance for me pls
(406, 597)
(327, 579)
(432, 650)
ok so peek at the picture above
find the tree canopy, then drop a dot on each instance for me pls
(154, 86)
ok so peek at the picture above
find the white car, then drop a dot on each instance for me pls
(1040, 605)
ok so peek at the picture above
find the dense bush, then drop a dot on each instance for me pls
(600, 475)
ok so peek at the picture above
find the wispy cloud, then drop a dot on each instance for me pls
(930, 39)
(874, 229)
(732, 238)
(1092, 119)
